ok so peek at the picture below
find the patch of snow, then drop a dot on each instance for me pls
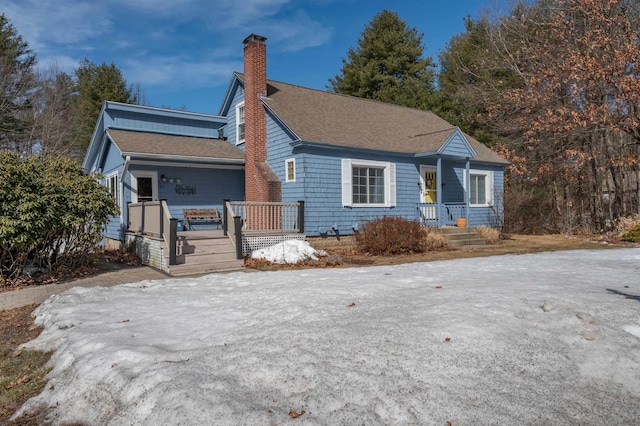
(462, 341)
(288, 251)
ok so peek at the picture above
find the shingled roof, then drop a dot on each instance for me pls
(148, 143)
(327, 118)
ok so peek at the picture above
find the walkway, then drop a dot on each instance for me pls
(114, 275)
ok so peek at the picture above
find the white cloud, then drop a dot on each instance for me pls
(42, 23)
(173, 72)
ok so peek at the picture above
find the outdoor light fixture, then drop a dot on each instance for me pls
(163, 178)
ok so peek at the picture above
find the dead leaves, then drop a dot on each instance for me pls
(294, 414)
(18, 382)
(351, 305)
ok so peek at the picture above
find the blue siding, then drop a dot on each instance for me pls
(457, 146)
(486, 215)
(230, 129)
(211, 186)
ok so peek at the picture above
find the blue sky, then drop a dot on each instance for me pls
(183, 52)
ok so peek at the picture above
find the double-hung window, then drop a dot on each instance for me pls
(480, 192)
(290, 170)
(112, 185)
(368, 183)
(240, 123)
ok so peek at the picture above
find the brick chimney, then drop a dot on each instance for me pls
(261, 183)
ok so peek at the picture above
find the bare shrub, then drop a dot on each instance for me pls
(625, 224)
(391, 235)
(491, 235)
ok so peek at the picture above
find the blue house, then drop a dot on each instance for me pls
(347, 159)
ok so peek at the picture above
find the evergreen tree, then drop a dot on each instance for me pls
(16, 83)
(387, 65)
(96, 84)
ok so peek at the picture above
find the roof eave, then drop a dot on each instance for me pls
(189, 158)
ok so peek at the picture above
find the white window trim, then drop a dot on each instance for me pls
(488, 182)
(119, 188)
(389, 182)
(238, 140)
(286, 169)
(135, 174)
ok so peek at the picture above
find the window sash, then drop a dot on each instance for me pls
(240, 133)
(480, 189)
(290, 170)
(368, 185)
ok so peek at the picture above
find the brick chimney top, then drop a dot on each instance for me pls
(254, 38)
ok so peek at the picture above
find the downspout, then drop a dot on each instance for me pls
(467, 186)
(439, 190)
(124, 213)
(127, 161)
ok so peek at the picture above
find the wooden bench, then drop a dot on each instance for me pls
(192, 216)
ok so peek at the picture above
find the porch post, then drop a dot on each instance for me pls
(225, 217)
(301, 216)
(237, 226)
(173, 239)
(439, 191)
(467, 185)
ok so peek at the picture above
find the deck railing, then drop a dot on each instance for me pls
(446, 214)
(269, 216)
(153, 218)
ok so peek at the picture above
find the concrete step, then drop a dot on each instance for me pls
(461, 237)
(467, 242)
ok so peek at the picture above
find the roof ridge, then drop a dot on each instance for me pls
(241, 75)
(156, 132)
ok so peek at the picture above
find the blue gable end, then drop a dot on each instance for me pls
(457, 146)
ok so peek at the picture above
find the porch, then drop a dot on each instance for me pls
(246, 226)
(439, 215)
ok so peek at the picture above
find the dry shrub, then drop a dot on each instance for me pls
(627, 223)
(491, 235)
(434, 239)
(391, 235)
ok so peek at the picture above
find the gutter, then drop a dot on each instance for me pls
(127, 161)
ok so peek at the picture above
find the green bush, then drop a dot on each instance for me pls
(51, 213)
(633, 234)
(391, 235)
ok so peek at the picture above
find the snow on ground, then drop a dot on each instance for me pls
(288, 251)
(550, 338)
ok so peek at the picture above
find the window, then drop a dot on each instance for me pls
(290, 170)
(240, 123)
(368, 183)
(144, 186)
(112, 185)
(480, 193)
(145, 191)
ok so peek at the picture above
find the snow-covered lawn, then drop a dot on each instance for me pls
(550, 338)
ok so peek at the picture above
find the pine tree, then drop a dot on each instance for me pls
(16, 83)
(96, 84)
(387, 65)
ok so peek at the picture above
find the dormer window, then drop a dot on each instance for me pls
(240, 123)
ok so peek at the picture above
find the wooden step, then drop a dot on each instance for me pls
(197, 254)
(206, 264)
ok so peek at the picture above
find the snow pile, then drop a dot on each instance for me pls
(548, 338)
(289, 251)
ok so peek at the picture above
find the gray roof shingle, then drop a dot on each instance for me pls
(328, 118)
(135, 142)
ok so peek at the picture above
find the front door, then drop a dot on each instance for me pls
(144, 185)
(430, 187)
(428, 192)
